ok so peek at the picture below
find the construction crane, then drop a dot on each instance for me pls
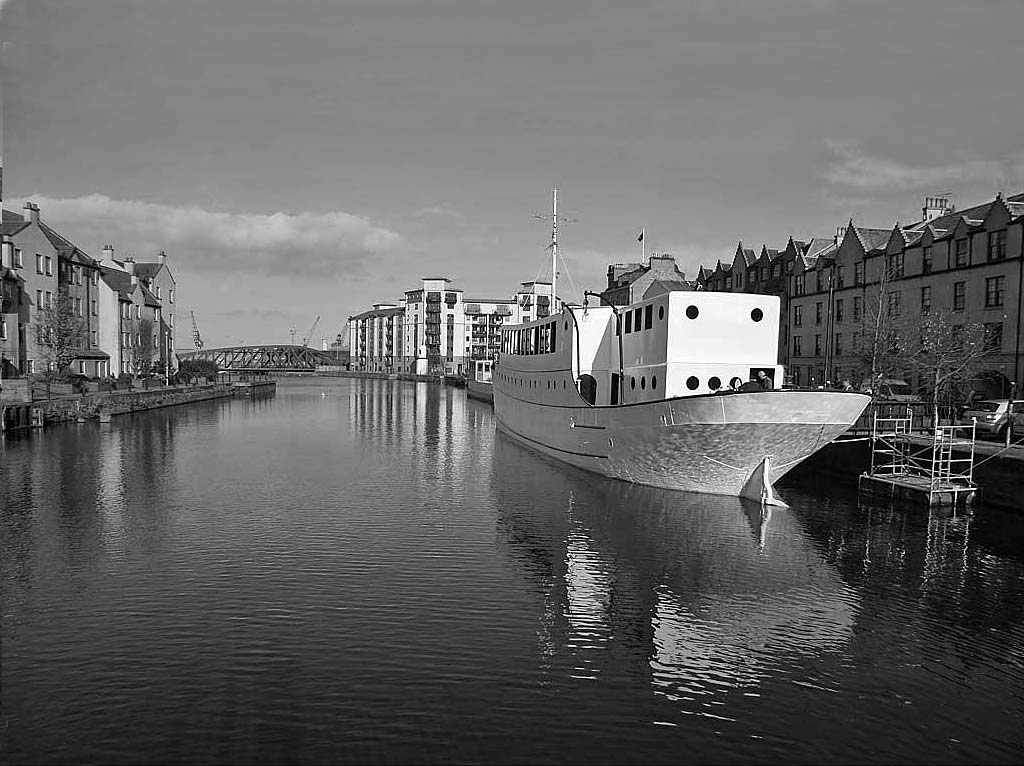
(305, 341)
(195, 332)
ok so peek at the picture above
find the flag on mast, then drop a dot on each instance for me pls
(641, 237)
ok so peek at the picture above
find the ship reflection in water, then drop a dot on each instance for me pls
(723, 592)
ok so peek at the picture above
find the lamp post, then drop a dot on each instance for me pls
(1009, 413)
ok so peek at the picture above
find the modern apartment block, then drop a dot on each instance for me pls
(966, 262)
(435, 330)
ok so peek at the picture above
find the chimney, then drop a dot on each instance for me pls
(33, 212)
(840, 233)
(162, 257)
(108, 254)
(135, 279)
(935, 207)
(129, 266)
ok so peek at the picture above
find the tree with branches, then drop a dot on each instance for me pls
(875, 347)
(947, 354)
(60, 335)
(142, 348)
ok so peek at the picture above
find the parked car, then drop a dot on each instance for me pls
(891, 390)
(993, 416)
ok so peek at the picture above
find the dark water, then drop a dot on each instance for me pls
(363, 571)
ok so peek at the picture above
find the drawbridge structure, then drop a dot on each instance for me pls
(272, 358)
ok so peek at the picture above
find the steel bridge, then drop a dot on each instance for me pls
(276, 358)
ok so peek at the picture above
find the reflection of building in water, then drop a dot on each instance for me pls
(425, 426)
(704, 592)
(587, 591)
(110, 492)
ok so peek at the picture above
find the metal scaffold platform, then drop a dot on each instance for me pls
(936, 469)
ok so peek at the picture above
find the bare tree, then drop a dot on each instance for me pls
(142, 348)
(875, 346)
(946, 352)
(60, 335)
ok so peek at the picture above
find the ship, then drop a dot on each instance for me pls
(679, 390)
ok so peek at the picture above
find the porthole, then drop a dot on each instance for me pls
(692, 311)
(643, 382)
(611, 443)
(566, 326)
(563, 385)
(661, 312)
(714, 383)
(757, 315)
(692, 382)
(654, 382)
(632, 382)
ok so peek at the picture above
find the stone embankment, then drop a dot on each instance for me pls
(110, 403)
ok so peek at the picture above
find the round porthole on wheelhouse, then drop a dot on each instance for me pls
(661, 312)
(692, 311)
(643, 382)
(715, 383)
(757, 315)
(692, 382)
(654, 382)
(632, 382)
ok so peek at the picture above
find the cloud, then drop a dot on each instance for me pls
(311, 245)
(851, 167)
(439, 211)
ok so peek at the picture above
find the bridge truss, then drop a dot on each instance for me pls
(278, 358)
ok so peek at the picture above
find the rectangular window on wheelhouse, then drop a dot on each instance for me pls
(637, 314)
(629, 322)
(648, 317)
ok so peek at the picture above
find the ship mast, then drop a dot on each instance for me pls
(554, 247)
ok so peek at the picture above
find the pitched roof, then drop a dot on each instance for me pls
(10, 215)
(978, 212)
(872, 239)
(659, 286)
(10, 228)
(120, 281)
(819, 246)
(147, 270)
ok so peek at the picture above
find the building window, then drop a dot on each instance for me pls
(895, 303)
(93, 308)
(39, 300)
(798, 316)
(926, 260)
(817, 281)
(838, 349)
(776, 270)
(963, 252)
(170, 295)
(994, 289)
(39, 263)
(3, 328)
(993, 336)
(817, 313)
(728, 282)
(840, 277)
(959, 295)
(799, 289)
(95, 338)
(796, 346)
(817, 345)
(856, 308)
(858, 273)
(839, 310)
(49, 299)
(997, 245)
(49, 266)
(926, 300)
(895, 262)
(17, 259)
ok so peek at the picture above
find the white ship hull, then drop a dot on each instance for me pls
(714, 444)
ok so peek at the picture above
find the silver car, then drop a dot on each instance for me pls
(993, 415)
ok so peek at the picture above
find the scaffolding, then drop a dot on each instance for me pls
(939, 469)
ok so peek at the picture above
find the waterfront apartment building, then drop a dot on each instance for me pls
(968, 262)
(435, 330)
(375, 339)
(126, 308)
(631, 282)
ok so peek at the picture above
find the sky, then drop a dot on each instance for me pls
(304, 158)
